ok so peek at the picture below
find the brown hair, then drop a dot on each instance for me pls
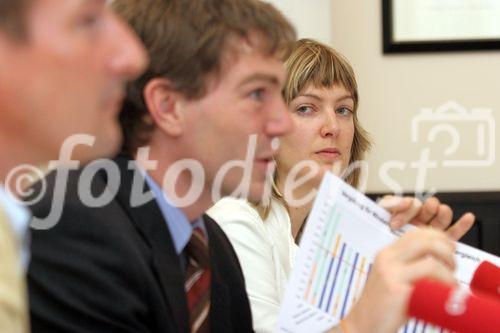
(313, 63)
(12, 17)
(186, 40)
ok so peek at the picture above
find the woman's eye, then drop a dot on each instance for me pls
(304, 109)
(344, 111)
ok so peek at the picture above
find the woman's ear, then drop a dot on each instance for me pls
(162, 103)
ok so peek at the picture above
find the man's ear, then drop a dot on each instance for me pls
(163, 103)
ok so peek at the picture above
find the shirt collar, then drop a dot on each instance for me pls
(17, 214)
(178, 224)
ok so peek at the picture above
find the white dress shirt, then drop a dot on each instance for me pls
(266, 251)
(19, 217)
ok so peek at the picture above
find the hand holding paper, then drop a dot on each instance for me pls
(417, 254)
(431, 213)
(347, 245)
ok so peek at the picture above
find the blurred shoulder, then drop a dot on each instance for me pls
(229, 210)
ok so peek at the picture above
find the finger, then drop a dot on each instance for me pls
(429, 210)
(429, 268)
(460, 228)
(443, 218)
(404, 216)
(394, 204)
(425, 242)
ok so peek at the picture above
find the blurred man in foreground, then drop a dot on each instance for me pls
(63, 67)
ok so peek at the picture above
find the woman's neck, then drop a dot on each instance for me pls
(298, 216)
(299, 212)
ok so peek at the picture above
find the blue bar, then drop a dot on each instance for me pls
(349, 286)
(415, 327)
(335, 278)
(326, 281)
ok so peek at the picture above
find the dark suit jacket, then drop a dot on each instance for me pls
(115, 269)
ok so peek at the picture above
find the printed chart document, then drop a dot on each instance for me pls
(344, 233)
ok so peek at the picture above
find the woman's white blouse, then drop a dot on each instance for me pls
(266, 251)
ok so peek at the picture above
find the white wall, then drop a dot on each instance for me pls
(312, 18)
(395, 88)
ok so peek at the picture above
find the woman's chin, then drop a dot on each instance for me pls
(335, 168)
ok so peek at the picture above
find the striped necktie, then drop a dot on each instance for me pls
(197, 283)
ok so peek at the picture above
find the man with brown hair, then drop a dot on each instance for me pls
(142, 263)
(63, 67)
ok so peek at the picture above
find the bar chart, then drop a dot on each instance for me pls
(334, 264)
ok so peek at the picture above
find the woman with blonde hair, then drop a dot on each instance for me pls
(322, 96)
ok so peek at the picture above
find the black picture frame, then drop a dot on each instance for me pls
(484, 205)
(390, 46)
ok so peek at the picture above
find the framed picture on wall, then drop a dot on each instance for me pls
(440, 25)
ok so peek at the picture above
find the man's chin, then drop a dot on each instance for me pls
(259, 192)
(104, 147)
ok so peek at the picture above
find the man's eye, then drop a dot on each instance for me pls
(257, 94)
(90, 19)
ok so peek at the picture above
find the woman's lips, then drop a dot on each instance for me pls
(329, 154)
(263, 163)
